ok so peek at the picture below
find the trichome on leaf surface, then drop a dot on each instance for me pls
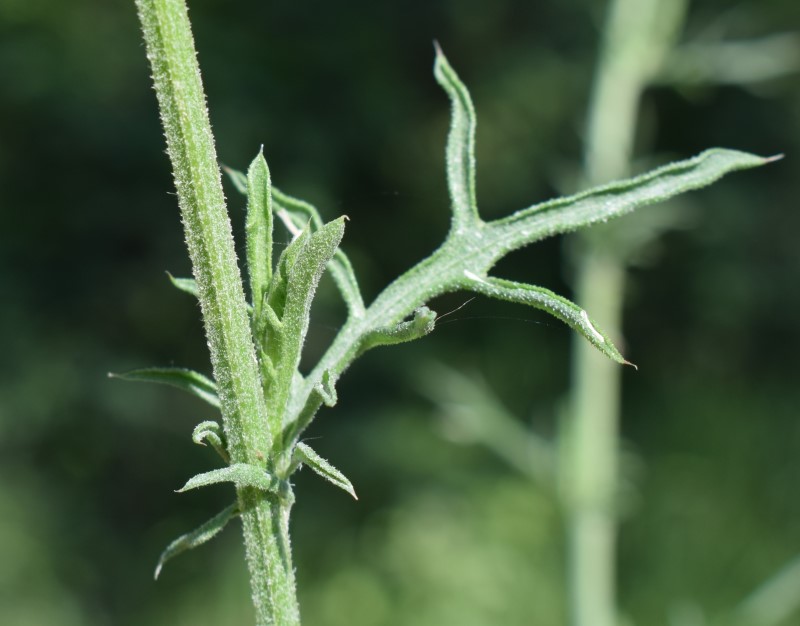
(265, 401)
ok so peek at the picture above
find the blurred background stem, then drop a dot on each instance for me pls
(637, 35)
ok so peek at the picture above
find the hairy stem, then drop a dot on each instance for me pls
(190, 144)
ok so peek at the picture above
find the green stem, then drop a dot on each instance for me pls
(637, 37)
(592, 444)
(190, 144)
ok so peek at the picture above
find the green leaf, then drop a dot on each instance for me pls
(276, 299)
(237, 178)
(303, 267)
(197, 537)
(303, 278)
(618, 198)
(295, 214)
(187, 285)
(240, 474)
(568, 312)
(305, 454)
(185, 379)
(212, 432)
(473, 247)
(258, 229)
(420, 325)
(460, 153)
(327, 390)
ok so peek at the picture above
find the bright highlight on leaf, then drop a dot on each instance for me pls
(544, 299)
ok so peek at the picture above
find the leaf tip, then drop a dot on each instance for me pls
(773, 158)
(158, 570)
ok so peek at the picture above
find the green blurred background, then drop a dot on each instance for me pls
(343, 99)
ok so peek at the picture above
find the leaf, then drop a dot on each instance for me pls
(240, 474)
(618, 198)
(473, 247)
(568, 312)
(258, 229)
(237, 178)
(420, 325)
(460, 152)
(187, 285)
(211, 431)
(197, 537)
(327, 390)
(306, 455)
(185, 379)
(303, 267)
(276, 299)
(295, 214)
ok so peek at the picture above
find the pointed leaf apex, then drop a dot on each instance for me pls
(181, 378)
(307, 456)
(196, 537)
(240, 474)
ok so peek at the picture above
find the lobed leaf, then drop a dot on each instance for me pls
(460, 152)
(240, 474)
(197, 537)
(305, 454)
(181, 378)
(473, 247)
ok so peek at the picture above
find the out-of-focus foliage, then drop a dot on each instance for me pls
(343, 99)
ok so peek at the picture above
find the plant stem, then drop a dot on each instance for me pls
(190, 144)
(592, 445)
(638, 35)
